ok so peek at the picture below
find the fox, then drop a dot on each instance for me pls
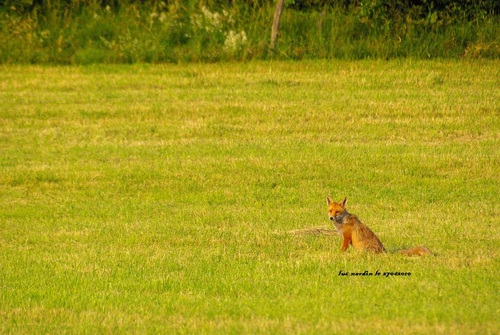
(357, 234)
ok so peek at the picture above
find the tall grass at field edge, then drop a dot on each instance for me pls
(187, 31)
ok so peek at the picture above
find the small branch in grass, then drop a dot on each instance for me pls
(313, 231)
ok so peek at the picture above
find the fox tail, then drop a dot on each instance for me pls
(417, 251)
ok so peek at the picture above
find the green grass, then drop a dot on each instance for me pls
(157, 199)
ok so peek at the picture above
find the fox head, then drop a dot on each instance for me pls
(336, 210)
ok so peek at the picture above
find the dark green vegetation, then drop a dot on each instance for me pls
(83, 32)
(158, 198)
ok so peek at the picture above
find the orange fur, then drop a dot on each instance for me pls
(417, 251)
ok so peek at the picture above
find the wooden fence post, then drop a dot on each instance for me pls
(276, 24)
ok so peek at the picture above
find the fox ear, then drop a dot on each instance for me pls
(328, 200)
(344, 202)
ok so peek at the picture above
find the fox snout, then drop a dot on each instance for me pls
(332, 218)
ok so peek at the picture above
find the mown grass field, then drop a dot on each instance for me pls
(158, 198)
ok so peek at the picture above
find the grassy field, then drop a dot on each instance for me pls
(158, 198)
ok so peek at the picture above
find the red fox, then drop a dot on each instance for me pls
(359, 235)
